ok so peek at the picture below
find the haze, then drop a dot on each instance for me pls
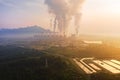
(99, 17)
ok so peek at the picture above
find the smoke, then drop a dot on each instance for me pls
(64, 10)
(77, 22)
(55, 24)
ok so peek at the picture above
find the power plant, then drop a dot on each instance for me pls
(50, 35)
(62, 12)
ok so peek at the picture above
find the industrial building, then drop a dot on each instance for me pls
(93, 66)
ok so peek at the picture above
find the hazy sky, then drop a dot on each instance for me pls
(98, 16)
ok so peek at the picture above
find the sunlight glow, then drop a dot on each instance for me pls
(101, 17)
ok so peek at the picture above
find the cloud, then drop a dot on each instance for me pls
(5, 3)
(27, 6)
(20, 12)
(21, 3)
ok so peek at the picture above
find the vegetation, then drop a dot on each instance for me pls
(97, 51)
(27, 64)
(20, 63)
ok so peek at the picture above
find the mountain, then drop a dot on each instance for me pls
(26, 30)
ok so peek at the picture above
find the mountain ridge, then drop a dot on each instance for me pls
(25, 30)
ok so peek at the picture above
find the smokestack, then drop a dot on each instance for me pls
(51, 25)
(64, 10)
(55, 24)
(77, 22)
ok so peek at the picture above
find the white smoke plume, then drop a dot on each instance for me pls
(64, 10)
(77, 22)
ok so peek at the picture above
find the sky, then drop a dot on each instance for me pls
(98, 16)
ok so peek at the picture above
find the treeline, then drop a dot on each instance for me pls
(98, 51)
